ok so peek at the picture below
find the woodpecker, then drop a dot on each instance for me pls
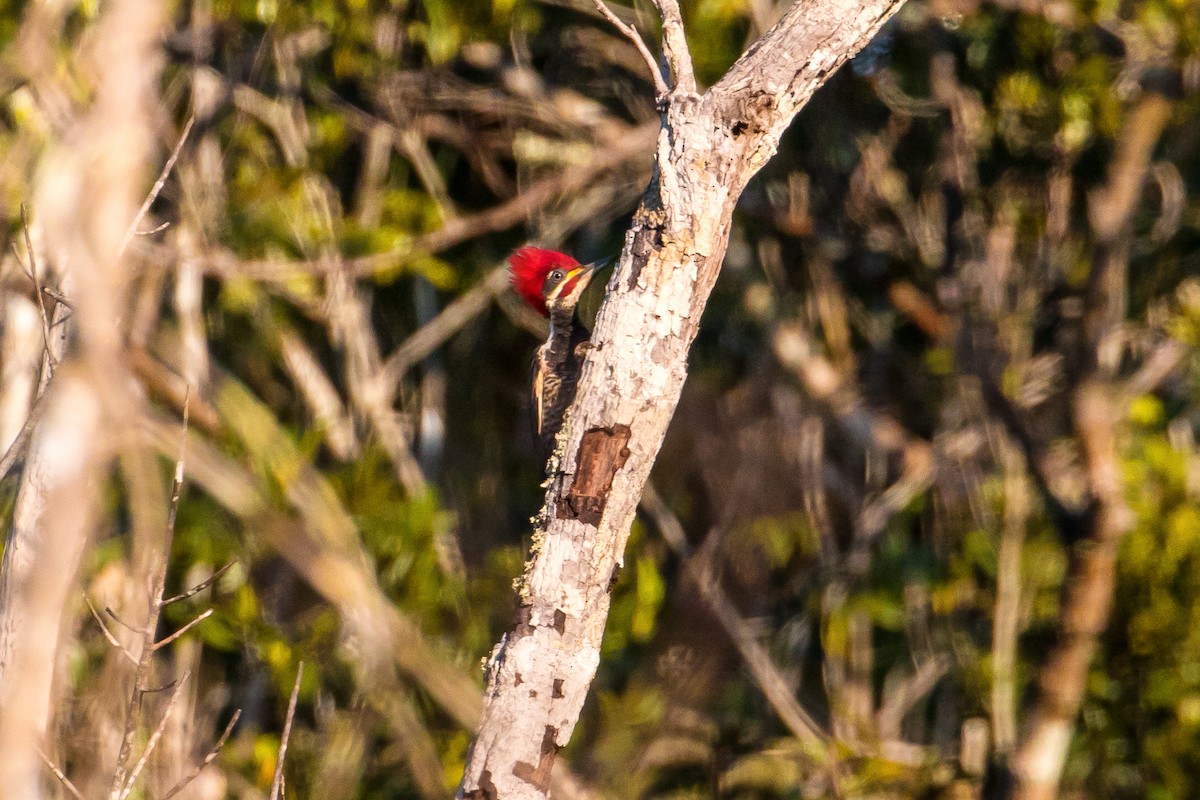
(552, 283)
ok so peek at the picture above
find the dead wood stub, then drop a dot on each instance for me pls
(539, 776)
(602, 453)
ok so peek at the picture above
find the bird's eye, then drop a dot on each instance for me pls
(556, 275)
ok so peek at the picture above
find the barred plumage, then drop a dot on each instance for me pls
(552, 283)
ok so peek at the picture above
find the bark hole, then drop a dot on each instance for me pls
(556, 690)
(560, 621)
(601, 454)
(522, 625)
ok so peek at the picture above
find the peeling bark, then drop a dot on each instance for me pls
(709, 147)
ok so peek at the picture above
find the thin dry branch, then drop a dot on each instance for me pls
(904, 697)
(147, 631)
(631, 33)
(453, 318)
(350, 329)
(158, 186)
(37, 286)
(1006, 626)
(1088, 591)
(58, 773)
(609, 155)
(767, 676)
(1163, 362)
(20, 446)
(117, 619)
(201, 586)
(208, 759)
(152, 742)
(113, 640)
(161, 643)
(277, 782)
(320, 395)
(868, 429)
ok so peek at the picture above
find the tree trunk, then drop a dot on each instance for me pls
(709, 147)
(89, 188)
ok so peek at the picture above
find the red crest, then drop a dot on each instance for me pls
(527, 270)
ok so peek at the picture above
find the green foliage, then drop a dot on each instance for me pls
(1142, 708)
(478, 102)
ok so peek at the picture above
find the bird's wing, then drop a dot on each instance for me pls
(537, 390)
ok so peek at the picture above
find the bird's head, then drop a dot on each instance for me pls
(548, 279)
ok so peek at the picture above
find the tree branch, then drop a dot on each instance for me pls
(675, 47)
(709, 147)
(1095, 415)
(660, 85)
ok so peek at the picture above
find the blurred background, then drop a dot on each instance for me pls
(867, 501)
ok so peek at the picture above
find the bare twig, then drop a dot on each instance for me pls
(167, 640)
(773, 685)
(200, 587)
(1162, 362)
(155, 736)
(113, 615)
(168, 385)
(415, 147)
(16, 451)
(635, 142)
(147, 632)
(1088, 591)
(208, 759)
(58, 297)
(158, 185)
(58, 773)
(454, 317)
(870, 430)
(107, 633)
(156, 229)
(1006, 625)
(320, 395)
(901, 700)
(660, 84)
(37, 286)
(277, 783)
(350, 329)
